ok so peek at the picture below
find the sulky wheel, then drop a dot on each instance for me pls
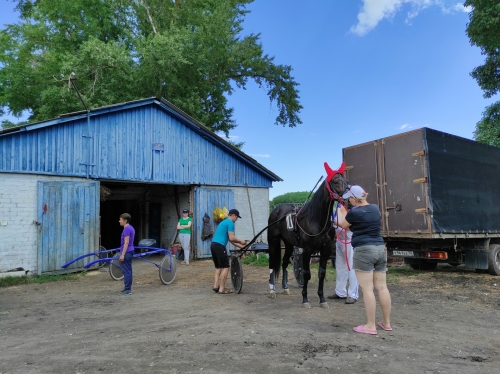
(115, 270)
(297, 268)
(236, 274)
(167, 274)
(103, 254)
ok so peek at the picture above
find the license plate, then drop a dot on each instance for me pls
(403, 253)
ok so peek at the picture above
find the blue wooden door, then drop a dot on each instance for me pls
(68, 217)
(205, 201)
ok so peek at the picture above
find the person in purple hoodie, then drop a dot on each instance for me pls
(127, 252)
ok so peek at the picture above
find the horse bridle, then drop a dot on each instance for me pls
(333, 197)
(333, 194)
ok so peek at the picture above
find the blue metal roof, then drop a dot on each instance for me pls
(147, 140)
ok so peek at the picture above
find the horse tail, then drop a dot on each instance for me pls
(275, 257)
(274, 242)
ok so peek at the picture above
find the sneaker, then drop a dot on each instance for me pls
(126, 292)
(183, 262)
(350, 300)
(186, 262)
(335, 297)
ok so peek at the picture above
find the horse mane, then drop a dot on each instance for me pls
(315, 207)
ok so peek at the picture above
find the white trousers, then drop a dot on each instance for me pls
(343, 274)
(185, 239)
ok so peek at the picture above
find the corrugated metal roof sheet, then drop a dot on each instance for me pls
(145, 140)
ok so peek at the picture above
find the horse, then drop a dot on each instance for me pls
(312, 224)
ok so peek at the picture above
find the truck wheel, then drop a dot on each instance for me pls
(494, 259)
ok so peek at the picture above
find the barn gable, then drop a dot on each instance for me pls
(147, 140)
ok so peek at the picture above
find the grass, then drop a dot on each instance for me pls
(393, 274)
(16, 281)
(255, 260)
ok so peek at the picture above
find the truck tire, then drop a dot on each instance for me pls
(494, 259)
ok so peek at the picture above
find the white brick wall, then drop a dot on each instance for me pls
(259, 200)
(18, 214)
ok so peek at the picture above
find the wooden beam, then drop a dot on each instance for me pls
(420, 153)
(422, 210)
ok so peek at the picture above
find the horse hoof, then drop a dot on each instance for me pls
(306, 305)
(286, 292)
(272, 295)
(324, 305)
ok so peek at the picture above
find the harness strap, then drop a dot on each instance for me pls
(333, 194)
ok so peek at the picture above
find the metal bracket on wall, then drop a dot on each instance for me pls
(420, 180)
(422, 210)
(396, 207)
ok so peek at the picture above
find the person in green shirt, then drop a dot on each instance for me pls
(184, 227)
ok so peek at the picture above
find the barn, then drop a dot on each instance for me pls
(64, 182)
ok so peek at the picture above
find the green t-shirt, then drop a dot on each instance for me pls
(184, 222)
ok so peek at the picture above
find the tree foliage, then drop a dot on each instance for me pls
(289, 198)
(483, 30)
(191, 52)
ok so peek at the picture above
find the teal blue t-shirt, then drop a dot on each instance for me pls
(221, 235)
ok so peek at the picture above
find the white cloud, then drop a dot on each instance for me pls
(459, 7)
(230, 137)
(374, 11)
(261, 155)
(405, 126)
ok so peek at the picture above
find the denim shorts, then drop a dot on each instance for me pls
(370, 258)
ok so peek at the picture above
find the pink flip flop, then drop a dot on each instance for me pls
(382, 326)
(361, 330)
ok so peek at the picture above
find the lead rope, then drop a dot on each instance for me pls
(346, 242)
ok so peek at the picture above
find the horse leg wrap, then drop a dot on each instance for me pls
(271, 280)
(284, 282)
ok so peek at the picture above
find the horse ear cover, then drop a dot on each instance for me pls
(330, 173)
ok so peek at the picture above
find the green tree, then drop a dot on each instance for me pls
(483, 30)
(289, 198)
(191, 52)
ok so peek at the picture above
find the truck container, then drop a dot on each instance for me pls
(438, 194)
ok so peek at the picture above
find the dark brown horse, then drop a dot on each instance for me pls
(312, 224)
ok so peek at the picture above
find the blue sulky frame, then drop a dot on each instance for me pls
(167, 268)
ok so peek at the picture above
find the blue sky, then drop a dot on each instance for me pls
(367, 69)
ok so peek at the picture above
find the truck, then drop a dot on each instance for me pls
(439, 197)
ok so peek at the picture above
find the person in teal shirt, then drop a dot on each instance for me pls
(224, 234)
(184, 227)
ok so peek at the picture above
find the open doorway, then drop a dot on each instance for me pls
(154, 209)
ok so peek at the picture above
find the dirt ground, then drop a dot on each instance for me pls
(445, 321)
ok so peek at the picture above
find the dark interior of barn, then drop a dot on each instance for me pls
(154, 209)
